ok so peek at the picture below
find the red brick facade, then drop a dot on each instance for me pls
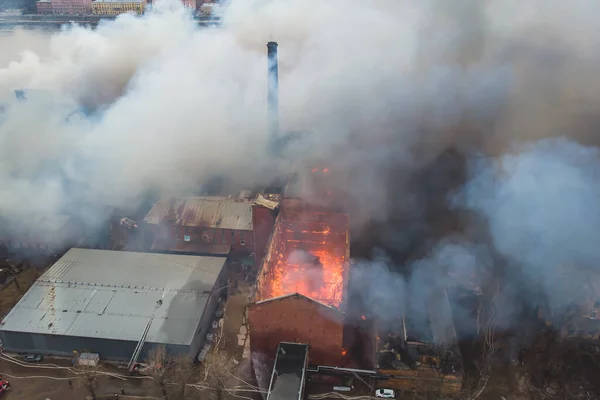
(44, 7)
(297, 319)
(263, 221)
(240, 240)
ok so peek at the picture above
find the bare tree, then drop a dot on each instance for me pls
(158, 368)
(180, 371)
(217, 373)
(220, 377)
(88, 379)
(486, 325)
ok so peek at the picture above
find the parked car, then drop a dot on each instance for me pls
(385, 393)
(33, 358)
(4, 387)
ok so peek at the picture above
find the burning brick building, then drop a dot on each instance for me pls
(301, 288)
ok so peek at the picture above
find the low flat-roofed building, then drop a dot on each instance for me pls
(102, 301)
(201, 220)
(289, 372)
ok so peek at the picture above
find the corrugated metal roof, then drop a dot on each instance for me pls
(207, 212)
(111, 295)
(262, 201)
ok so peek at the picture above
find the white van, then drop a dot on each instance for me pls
(385, 393)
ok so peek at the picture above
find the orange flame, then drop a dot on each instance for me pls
(321, 279)
(344, 352)
(326, 171)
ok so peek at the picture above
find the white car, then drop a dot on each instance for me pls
(385, 393)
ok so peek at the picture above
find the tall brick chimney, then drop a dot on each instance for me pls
(273, 91)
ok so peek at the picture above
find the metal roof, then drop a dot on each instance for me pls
(207, 212)
(287, 379)
(111, 295)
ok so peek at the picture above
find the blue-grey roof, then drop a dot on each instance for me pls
(111, 295)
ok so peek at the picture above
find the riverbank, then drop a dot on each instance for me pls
(45, 20)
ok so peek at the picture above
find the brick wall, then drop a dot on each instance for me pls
(240, 241)
(263, 221)
(297, 319)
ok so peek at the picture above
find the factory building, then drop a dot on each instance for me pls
(211, 225)
(40, 234)
(112, 303)
(116, 7)
(294, 318)
(264, 213)
(72, 7)
(305, 269)
(43, 6)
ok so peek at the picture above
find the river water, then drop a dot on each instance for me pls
(8, 29)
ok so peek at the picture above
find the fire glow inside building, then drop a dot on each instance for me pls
(301, 287)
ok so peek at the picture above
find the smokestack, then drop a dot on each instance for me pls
(273, 94)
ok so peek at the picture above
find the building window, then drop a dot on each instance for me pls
(232, 233)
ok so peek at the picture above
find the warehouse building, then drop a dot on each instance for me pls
(116, 7)
(305, 269)
(107, 302)
(210, 225)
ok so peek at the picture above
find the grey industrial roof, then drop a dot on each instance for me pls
(111, 295)
(288, 372)
(207, 212)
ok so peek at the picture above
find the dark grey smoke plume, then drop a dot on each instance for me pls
(541, 203)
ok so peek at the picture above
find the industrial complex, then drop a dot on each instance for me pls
(290, 243)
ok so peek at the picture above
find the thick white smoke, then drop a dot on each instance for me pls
(384, 86)
(379, 83)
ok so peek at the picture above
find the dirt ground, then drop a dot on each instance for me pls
(235, 315)
(33, 383)
(235, 331)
